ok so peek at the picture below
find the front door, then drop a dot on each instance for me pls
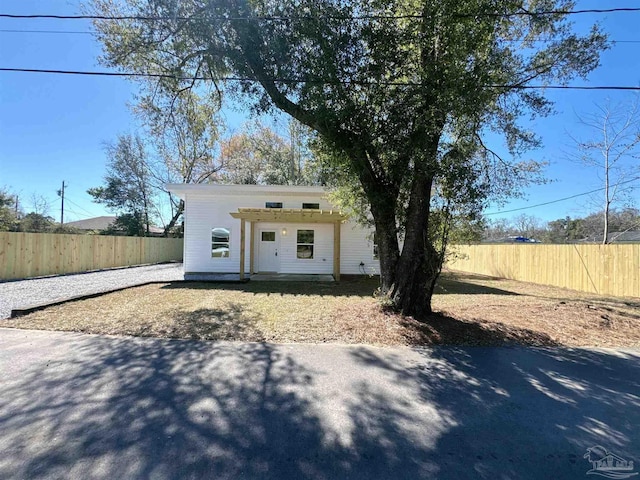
(268, 259)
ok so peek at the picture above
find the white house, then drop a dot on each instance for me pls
(250, 229)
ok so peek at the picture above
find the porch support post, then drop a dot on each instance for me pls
(336, 251)
(252, 243)
(242, 242)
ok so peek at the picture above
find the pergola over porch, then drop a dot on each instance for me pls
(287, 215)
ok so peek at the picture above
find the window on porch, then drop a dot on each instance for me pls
(305, 239)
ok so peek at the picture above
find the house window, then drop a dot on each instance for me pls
(273, 205)
(305, 244)
(311, 206)
(220, 244)
(375, 247)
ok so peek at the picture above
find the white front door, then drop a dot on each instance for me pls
(268, 259)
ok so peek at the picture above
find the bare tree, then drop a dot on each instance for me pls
(612, 152)
(184, 127)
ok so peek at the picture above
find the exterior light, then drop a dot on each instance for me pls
(284, 232)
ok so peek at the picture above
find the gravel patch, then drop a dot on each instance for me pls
(23, 293)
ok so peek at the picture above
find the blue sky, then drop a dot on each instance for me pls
(53, 127)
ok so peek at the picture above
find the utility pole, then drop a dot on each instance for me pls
(61, 195)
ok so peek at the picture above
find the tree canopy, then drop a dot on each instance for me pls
(128, 188)
(401, 94)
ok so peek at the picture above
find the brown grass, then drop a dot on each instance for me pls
(472, 310)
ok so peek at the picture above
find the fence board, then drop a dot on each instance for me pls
(24, 255)
(604, 269)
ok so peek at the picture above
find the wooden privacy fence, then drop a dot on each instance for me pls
(604, 269)
(24, 255)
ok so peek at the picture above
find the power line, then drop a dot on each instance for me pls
(81, 208)
(523, 13)
(559, 200)
(310, 80)
(87, 32)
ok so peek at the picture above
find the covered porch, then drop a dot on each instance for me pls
(255, 216)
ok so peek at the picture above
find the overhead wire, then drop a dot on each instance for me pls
(522, 13)
(559, 199)
(309, 80)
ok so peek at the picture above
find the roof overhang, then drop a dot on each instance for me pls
(211, 189)
(289, 215)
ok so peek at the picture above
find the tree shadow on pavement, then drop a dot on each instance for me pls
(99, 407)
(167, 409)
(514, 413)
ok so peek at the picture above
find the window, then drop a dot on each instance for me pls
(220, 242)
(268, 236)
(312, 206)
(305, 244)
(273, 205)
(375, 247)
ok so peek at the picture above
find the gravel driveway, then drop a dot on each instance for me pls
(39, 290)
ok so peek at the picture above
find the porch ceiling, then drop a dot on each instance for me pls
(288, 215)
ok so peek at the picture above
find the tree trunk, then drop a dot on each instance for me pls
(419, 264)
(383, 211)
(174, 219)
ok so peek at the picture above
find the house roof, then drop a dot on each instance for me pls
(289, 215)
(102, 223)
(95, 223)
(182, 189)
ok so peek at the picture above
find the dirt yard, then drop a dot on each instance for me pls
(472, 310)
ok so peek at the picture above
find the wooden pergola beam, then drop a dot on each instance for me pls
(336, 251)
(242, 242)
(288, 215)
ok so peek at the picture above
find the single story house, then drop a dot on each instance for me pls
(251, 229)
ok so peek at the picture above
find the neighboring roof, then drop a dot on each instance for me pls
(291, 215)
(96, 223)
(181, 189)
(102, 223)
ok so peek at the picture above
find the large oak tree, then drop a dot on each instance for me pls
(401, 93)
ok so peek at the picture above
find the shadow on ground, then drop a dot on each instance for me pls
(514, 413)
(440, 329)
(231, 323)
(348, 286)
(140, 408)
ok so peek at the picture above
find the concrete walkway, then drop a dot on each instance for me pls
(77, 406)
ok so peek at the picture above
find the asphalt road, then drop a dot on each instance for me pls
(88, 407)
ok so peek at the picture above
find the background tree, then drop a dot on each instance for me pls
(259, 155)
(36, 223)
(129, 187)
(9, 211)
(185, 128)
(613, 153)
(402, 104)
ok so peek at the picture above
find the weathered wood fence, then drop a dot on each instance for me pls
(604, 269)
(24, 255)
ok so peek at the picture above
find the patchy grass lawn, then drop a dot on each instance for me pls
(472, 310)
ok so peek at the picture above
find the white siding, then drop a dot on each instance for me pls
(356, 246)
(206, 211)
